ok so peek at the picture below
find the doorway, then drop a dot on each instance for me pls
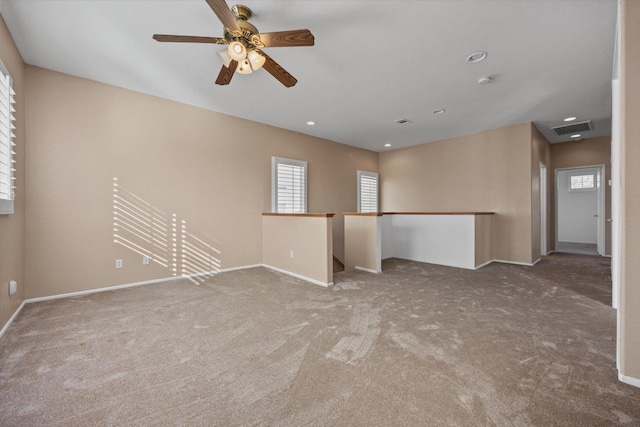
(543, 209)
(580, 210)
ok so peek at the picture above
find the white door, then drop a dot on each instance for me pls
(580, 210)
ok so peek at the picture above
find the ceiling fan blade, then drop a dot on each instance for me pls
(277, 71)
(224, 14)
(226, 73)
(287, 38)
(189, 39)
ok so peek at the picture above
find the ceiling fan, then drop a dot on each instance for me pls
(244, 42)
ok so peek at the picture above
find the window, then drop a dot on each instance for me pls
(289, 185)
(7, 144)
(582, 183)
(367, 191)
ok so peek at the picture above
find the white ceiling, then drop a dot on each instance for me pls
(373, 61)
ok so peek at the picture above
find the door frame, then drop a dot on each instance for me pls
(601, 200)
(544, 250)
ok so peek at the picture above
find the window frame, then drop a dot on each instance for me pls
(275, 161)
(7, 119)
(583, 189)
(375, 175)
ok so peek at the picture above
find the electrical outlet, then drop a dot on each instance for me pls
(13, 287)
(291, 254)
(118, 263)
(145, 260)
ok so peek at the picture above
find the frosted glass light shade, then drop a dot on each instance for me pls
(244, 67)
(226, 58)
(237, 51)
(256, 60)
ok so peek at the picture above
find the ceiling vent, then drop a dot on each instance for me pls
(403, 121)
(573, 128)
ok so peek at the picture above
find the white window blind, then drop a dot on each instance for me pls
(7, 143)
(367, 191)
(582, 182)
(289, 185)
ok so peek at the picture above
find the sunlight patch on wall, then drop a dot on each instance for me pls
(165, 239)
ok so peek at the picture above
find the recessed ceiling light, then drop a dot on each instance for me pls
(311, 123)
(570, 119)
(476, 57)
(577, 135)
(403, 121)
(440, 111)
(484, 80)
(387, 145)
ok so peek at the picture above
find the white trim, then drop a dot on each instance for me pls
(214, 272)
(299, 276)
(544, 202)
(125, 286)
(12, 318)
(527, 264)
(483, 264)
(360, 174)
(601, 202)
(242, 267)
(368, 270)
(629, 380)
(616, 196)
(135, 284)
(275, 160)
(105, 289)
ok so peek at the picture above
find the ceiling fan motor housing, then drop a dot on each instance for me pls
(242, 14)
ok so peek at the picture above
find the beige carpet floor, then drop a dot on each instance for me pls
(418, 345)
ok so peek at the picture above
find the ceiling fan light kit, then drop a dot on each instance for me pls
(256, 60)
(244, 67)
(237, 51)
(243, 54)
(226, 58)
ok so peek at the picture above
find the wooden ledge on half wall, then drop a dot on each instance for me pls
(317, 214)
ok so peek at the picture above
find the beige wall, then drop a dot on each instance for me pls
(307, 238)
(590, 152)
(12, 226)
(483, 239)
(208, 171)
(540, 153)
(363, 234)
(629, 312)
(485, 172)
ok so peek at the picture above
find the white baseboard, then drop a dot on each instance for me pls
(125, 286)
(298, 276)
(527, 264)
(483, 264)
(211, 273)
(12, 318)
(104, 289)
(368, 270)
(629, 380)
(242, 267)
(135, 284)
